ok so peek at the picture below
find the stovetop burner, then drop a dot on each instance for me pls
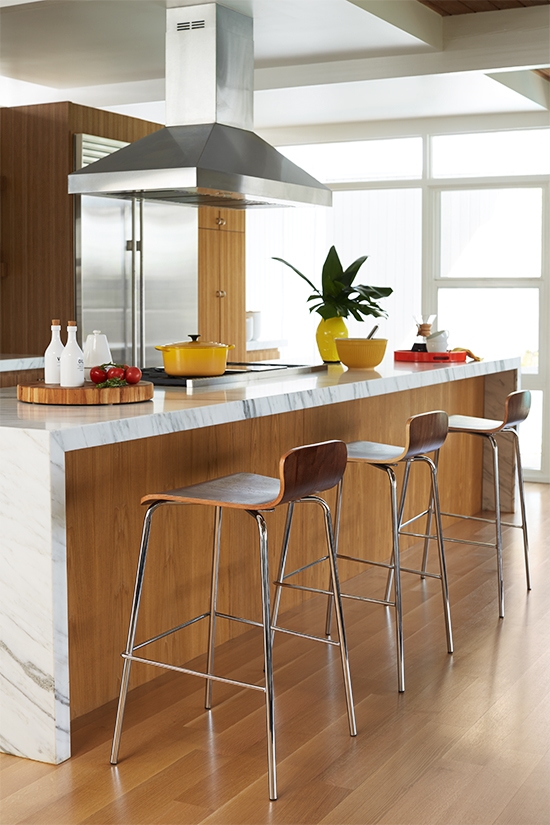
(236, 373)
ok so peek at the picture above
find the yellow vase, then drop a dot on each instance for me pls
(327, 331)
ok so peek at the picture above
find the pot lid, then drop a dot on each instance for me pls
(194, 343)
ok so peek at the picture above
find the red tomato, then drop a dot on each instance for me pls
(132, 375)
(115, 372)
(98, 375)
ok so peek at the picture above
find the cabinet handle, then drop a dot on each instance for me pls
(221, 221)
(221, 293)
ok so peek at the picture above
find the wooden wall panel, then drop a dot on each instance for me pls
(37, 243)
(36, 221)
(104, 517)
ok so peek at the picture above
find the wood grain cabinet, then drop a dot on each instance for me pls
(222, 250)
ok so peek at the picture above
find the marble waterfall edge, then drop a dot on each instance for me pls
(34, 678)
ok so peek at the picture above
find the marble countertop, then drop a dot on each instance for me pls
(12, 363)
(175, 410)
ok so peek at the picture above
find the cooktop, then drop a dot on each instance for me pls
(236, 373)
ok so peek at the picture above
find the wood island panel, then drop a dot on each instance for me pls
(104, 518)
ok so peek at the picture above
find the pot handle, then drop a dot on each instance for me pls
(163, 348)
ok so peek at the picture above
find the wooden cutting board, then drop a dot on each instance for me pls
(40, 393)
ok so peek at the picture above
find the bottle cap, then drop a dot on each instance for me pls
(71, 323)
(56, 322)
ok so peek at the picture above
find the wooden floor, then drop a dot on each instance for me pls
(467, 744)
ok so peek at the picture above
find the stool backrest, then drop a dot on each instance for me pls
(425, 433)
(517, 407)
(311, 469)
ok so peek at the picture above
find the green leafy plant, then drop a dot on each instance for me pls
(338, 297)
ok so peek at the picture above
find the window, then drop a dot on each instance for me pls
(525, 152)
(491, 233)
(395, 159)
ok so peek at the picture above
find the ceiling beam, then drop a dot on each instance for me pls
(409, 16)
(527, 84)
(518, 40)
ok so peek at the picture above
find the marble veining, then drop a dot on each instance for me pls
(15, 363)
(34, 673)
(33, 603)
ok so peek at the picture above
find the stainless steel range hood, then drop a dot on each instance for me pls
(207, 155)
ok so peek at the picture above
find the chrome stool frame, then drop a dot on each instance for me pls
(303, 472)
(516, 410)
(424, 433)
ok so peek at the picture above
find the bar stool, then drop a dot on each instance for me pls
(424, 433)
(516, 410)
(303, 472)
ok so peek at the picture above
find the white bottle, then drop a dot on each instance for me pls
(52, 356)
(72, 360)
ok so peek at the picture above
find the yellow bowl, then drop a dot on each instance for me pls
(361, 353)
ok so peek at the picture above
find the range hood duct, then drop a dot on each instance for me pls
(207, 154)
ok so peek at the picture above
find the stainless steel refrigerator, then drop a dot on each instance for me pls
(136, 268)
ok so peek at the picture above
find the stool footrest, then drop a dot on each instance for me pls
(190, 672)
(303, 587)
(473, 543)
(237, 619)
(301, 569)
(485, 520)
(384, 564)
(305, 635)
(384, 602)
(172, 630)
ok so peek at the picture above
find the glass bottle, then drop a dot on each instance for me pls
(52, 356)
(72, 360)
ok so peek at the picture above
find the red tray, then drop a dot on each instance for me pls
(431, 357)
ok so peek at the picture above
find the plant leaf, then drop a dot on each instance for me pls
(332, 273)
(297, 271)
(352, 270)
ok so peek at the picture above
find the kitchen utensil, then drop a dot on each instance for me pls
(195, 357)
(361, 353)
(371, 333)
(437, 341)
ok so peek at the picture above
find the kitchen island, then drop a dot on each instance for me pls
(70, 518)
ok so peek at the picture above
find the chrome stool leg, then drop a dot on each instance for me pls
(125, 681)
(268, 655)
(441, 551)
(344, 656)
(519, 468)
(333, 593)
(282, 562)
(213, 605)
(340, 490)
(498, 528)
(397, 582)
(406, 477)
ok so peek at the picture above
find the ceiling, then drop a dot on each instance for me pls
(316, 61)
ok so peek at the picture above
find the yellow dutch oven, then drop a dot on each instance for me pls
(192, 358)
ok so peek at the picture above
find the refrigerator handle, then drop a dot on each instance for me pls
(141, 315)
(134, 278)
